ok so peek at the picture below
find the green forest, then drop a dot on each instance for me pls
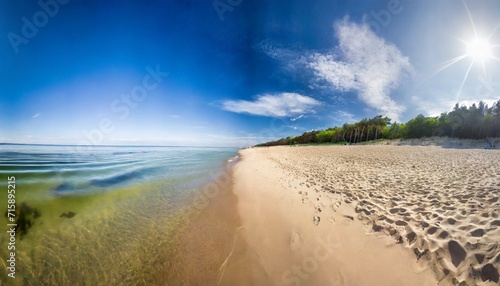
(474, 122)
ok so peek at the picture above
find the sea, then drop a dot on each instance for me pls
(100, 215)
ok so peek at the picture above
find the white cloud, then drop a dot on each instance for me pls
(468, 103)
(292, 59)
(278, 52)
(36, 115)
(276, 105)
(297, 118)
(365, 64)
(429, 107)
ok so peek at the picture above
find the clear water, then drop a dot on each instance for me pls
(103, 215)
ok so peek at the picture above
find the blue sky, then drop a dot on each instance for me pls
(235, 72)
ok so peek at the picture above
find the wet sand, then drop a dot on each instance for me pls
(211, 238)
(366, 215)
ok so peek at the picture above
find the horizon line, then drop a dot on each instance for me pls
(111, 145)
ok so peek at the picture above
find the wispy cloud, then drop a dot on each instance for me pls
(275, 105)
(365, 64)
(297, 118)
(36, 115)
(278, 52)
(439, 101)
(344, 117)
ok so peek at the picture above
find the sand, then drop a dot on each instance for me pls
(445, 142)
(366, 215)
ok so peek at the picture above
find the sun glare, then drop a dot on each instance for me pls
(480, 50)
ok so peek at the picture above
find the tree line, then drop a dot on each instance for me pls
(473, 122)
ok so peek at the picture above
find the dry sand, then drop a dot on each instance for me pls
(366, 215)
(445, 142)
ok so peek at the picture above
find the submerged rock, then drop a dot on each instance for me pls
(25, 216)
(36, 213)
(68, 214)
(64, 188)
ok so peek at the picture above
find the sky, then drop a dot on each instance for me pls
(235, 72)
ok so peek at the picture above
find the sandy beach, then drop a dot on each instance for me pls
(366, 215)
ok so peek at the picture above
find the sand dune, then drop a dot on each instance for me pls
(423, 208)
(445, 142)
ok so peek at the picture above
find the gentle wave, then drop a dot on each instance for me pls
(102, 167)
(84, 213)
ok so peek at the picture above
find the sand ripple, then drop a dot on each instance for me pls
(442, 204)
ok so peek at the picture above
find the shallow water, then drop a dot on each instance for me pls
(103, 216)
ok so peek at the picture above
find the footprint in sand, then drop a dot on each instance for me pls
(337, 280)
(295, 240)
(316, 219)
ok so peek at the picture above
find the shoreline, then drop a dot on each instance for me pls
(127, 232)
(298, 231)
(210, 236)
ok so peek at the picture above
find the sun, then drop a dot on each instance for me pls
(480, 50)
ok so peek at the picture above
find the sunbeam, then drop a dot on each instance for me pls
(478, 49)
(463, 81)
(448, 63)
